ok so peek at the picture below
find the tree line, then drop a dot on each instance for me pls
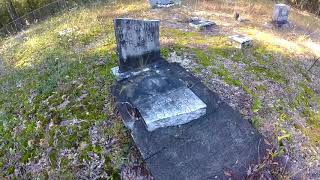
(312, 6)
(11, 10)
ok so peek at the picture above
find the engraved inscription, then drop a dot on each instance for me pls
(137, 41)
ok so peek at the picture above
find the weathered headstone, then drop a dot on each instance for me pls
(137, 42)
(280, 14)
(161, 3)
(241, 41)
(200, 23)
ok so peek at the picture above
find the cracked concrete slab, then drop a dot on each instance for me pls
(204, 148)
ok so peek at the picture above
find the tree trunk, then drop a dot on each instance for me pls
(14, 16)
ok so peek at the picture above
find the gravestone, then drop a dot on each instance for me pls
(161, 3)
(200, 23)
(280, 14)
(241, 41)
(161, 101)
(137, 42)
(181, 128)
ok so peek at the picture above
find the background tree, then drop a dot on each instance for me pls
(14, 16)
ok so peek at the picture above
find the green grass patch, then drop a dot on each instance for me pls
(269, 73)
(202, 57)
(49, 82)
(303, 101)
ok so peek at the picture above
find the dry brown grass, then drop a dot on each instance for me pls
(301, 39)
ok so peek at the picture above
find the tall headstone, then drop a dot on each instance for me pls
(138, 42)
(280, 14)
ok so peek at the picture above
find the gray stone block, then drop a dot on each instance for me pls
(161, 3)
(201, 24)
(241, 41)
(280, 14)
(176, 107)
(138, 42)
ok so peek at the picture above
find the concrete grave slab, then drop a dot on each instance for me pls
(241, 41)
(200, 23)
(204, 148)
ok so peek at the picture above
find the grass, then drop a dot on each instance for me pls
(54, 89)
(263, 69)
(51, 79)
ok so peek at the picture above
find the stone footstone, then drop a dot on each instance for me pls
(241, 41)
(201, 24)
(219, 141)
(124, 75)
(161, 3)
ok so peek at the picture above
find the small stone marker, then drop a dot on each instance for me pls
(241, 41)
(280, 14)
(137, 42)
(161, 3)
(201, 24)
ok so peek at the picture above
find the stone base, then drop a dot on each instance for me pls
(241, 41)
(281, 24)
(124, 75)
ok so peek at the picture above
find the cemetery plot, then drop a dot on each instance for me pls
(181, 128)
